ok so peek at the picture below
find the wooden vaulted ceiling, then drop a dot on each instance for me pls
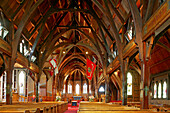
(67, 29)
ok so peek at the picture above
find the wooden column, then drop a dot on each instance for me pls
(66, 87)
(87, 88)
(168, 88)
(34, 88)
(144, 81)
(124, 88)
(107, 92)
(74, 85)
(26, 83)
(37, 96)
(96, 92)
(81, 86)
(9, 84)
(53, 86)
(46, 89)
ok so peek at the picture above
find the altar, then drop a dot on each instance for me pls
(77, 97)
(74, 103)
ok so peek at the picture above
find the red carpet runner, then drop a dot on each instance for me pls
(72, 109)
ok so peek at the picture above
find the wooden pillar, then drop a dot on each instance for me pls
(66, 87)
(9, 84)
(144, 81)
(74, 85)
(26, 83)
(81, 86)
(124, 69)
(34, 88)
(124, 88)
(96, 92)
(168, 88)
(107, 92)
(53, 87)
(46, 89)
(87, 88)
(37, 96)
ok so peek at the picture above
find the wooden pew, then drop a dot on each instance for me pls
(90, 107)
(46, 107)
(115, 112)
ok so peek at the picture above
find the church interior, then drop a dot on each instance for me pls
(84, 56)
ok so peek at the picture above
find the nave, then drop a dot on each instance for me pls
(84, 56)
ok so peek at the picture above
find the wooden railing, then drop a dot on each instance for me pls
(41, 98)
(23, 98)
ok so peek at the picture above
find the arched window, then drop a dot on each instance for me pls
(90, 89)
(20, 47)
(21, 82)
(85, 88)
(159, 90)
(101, 89)
(3, 87)
(155, 90)
(69, 88)
(64, 89)
(77, 89)
(3, 31)
(129, 84)
(164, 89)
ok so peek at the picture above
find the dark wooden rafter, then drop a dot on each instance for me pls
(163, 46)
(66, 61)
(19, 9)
(149, 10)
(138, 26)
(36, 41)
(105, 43)
(24, 19)
(115, 11)
(72, 65)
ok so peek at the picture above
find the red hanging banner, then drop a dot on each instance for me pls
(90, 69)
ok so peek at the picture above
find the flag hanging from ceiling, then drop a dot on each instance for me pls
(51, 72)
(90, 69)
(53, 63)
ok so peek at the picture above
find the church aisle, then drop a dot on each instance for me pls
(72, 109)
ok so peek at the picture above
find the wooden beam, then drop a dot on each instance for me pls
(163, 46)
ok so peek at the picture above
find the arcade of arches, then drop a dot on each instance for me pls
(45, 44)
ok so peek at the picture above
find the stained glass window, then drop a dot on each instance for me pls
(164, 89)
(21, 82)
(69, 88)
(3, 87)
(129, 84)
(85, 88)
(90, 89)
(20, 48)
(159, 90)
(77, 89)
(155, 90)
(101, 89)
